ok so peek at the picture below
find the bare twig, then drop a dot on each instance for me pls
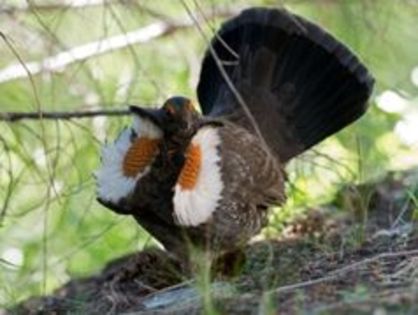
(97, 48)
(10, 186)
(61, 5)
(9, 264)
(373, 259)
(399, 219)
(83, 52)
(300, 285)
(13, 116)
(339, 272)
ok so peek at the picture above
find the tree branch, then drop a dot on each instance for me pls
(13, 116)
(100, 47)
(80, 53)
(62, 5)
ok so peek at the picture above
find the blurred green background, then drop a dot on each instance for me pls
(51, 227)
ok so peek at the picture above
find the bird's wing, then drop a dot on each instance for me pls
(199, 185)
(225, 166)
(126, 160)
(299, 82)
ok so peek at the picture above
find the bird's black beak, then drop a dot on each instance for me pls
(119, 208)
(157, 116)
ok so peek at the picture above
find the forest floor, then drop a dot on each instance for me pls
(363, 260)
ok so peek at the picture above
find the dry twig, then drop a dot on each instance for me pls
(13, 116)
(93, 49)
(339, 272)
(28, 6)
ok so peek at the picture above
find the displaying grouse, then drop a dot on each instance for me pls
(272, 85)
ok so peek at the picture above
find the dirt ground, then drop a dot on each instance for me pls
(363, 260)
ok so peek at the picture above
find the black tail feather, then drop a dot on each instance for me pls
(299, 82)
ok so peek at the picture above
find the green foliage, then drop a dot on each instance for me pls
(51, 226)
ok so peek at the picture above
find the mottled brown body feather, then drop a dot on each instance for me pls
(250, 187)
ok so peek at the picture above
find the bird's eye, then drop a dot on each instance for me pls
(133, 135)
(190, 106)
(170, 109)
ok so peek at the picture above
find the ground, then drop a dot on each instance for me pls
(363, 260)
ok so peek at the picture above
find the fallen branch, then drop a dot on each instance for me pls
(13, 117)
(374, 259)
(339, 272)
(63, 59)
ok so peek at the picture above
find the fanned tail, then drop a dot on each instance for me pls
(299, 82)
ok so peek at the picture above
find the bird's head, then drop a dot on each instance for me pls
(177, 117)
(181, 116)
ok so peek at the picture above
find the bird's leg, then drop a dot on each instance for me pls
(229, 264)
(149, 270)
(205, 265)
